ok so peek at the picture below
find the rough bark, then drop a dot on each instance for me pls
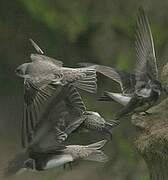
(152, 136)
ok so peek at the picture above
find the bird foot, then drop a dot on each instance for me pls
(65, 165)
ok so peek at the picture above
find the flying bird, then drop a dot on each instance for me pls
(65, 107)
(45, 128)
(44, 70)
(36, 102)
(142, 88)
(37, 158)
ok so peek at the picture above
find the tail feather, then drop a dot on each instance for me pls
(83, 86)
(88, 83)
(97, 145)
(97, 154)
(110, 72)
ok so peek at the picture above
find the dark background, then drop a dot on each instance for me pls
(73, 31)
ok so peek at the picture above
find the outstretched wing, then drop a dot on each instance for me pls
(68, 112)
(126, 80)
(146, 67)
(36, 101)
(62, 110)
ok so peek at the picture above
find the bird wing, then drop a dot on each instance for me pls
(41, 57)
(126, 80)
(68, 112)
(146, 67)
(36, 101)
(61, 110)
(37, 48)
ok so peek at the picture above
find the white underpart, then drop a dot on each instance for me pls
(120, 98)
(58, 161)
(95, 113)
(145, 92)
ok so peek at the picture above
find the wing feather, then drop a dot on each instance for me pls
(125, 80)
(37, 48)
(146, 67)
(62, 110)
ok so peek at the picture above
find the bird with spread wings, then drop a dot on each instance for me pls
(47, 122)
(141, 89)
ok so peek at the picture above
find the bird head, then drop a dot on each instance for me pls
(21, 70)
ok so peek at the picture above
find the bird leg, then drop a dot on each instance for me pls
(70, 165)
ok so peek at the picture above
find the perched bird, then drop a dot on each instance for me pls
(44, 130)
(44, 70)
(141, 89)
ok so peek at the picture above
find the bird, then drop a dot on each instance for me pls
(36, 103)
(43, 70)
(95, 122)
(64, 107)
(88, 120)
(64, 104)
(43, 158)
(126, 81)
(44, 142)
(142, 88)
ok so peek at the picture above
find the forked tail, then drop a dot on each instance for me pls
(96, 154)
